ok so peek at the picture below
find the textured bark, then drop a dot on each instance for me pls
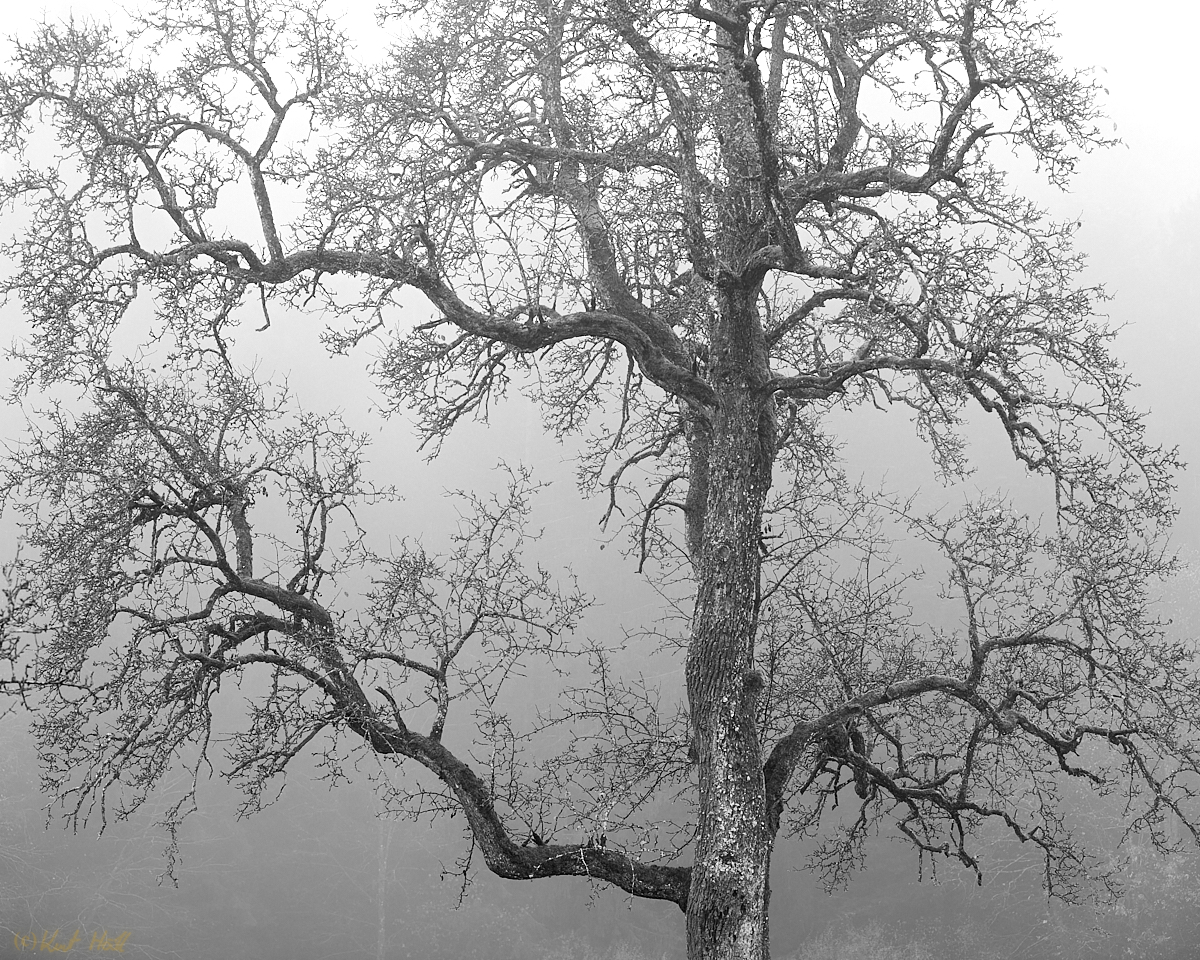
(727, 903)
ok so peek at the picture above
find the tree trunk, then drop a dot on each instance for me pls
(726, 917)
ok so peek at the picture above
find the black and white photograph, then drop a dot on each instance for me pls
(599, 480)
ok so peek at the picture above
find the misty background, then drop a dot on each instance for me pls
(320, 875)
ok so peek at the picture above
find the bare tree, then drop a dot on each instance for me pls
(690, 231)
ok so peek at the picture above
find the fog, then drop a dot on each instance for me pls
(320, 874)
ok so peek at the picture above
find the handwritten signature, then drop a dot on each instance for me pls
(50, 942)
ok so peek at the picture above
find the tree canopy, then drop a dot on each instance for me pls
(701, 237)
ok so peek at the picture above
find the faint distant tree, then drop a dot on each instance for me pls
(703, 235)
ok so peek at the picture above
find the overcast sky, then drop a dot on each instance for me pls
(1139, 203)
(1140, 206)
